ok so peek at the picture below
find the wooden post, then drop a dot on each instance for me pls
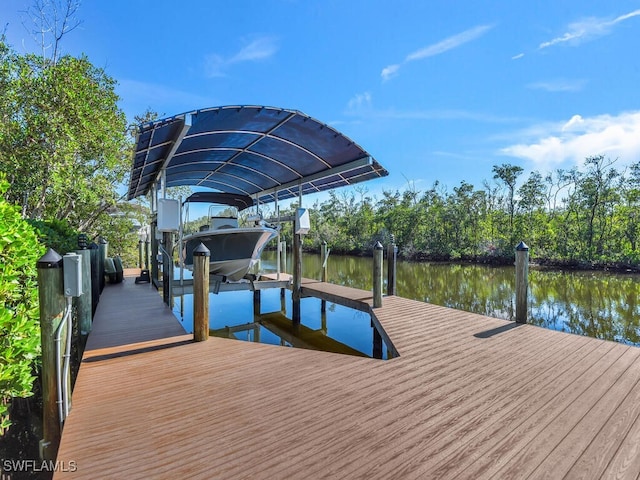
(167, 264)
(283, 256)
(392, 254)
(103, 247)
(297, 277)
(324, 258)
(146, 254)
(140, 254)
(154, 253)
(522, 271)
(377, 275)
(201, 257)
(83, 302)
(51, 297)
(282, 259)
(95, 276)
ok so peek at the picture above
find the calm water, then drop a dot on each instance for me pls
(596, 304)
(338, 329)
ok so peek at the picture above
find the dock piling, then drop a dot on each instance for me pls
(51, 301)
(201, 257)
(167, 266)
(296, 293)
(83, 302)
(522, 271)
(282, 248)
(324, 257)
(392, 254)
(377, 275)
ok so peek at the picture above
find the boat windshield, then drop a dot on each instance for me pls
(223, 211)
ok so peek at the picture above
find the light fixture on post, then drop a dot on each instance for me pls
(142, 237)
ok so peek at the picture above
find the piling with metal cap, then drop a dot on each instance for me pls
(377, 275)
(201, 256)
(83, 302)
(522, 282)
(51, 304)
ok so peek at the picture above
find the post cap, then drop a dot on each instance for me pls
(51, 259)
(522, 247)
(201, 251)
(378, 246)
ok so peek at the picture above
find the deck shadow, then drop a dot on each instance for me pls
(135, 351)
(496, 331)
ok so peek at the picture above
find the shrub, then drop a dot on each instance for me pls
(19, 322)
(56, 234)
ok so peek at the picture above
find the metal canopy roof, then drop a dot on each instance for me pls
(249, 150)
(235, 200)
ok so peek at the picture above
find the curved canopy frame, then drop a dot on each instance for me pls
(248, 150)
(235, 200)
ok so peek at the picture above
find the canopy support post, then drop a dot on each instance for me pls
(297, 268)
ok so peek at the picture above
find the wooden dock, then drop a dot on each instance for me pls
(468, 397)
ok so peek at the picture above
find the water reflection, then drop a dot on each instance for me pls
(242, 316)
(596, 304)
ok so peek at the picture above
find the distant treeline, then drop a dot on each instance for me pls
(588, 216)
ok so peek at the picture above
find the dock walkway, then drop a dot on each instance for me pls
(468, 397)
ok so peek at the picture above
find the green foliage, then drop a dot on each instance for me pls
(63, 142)
(56, 234)
(578, 217)
(19, 326)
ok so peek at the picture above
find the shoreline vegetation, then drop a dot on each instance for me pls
(585, 218)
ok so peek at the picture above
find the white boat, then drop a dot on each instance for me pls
(234, 249)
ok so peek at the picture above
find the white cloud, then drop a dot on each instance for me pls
(559, 85)
(449, 43)
(438, 48)
(569, 143)
(389, 72)
(259, 49)
(587, 29)
(360, 104)
(518, 56)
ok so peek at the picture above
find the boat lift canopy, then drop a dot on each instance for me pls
(249, 150)
(235, 200)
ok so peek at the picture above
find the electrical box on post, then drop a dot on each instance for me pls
(168, 215)
(72, 272)
(302, 221)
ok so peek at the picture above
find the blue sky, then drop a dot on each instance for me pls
(434, 90)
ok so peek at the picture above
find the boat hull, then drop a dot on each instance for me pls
(233, 251)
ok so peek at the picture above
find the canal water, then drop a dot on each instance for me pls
(338, 329)
(596, 304)
(592, 303)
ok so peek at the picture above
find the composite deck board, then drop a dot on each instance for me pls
(469, 397)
